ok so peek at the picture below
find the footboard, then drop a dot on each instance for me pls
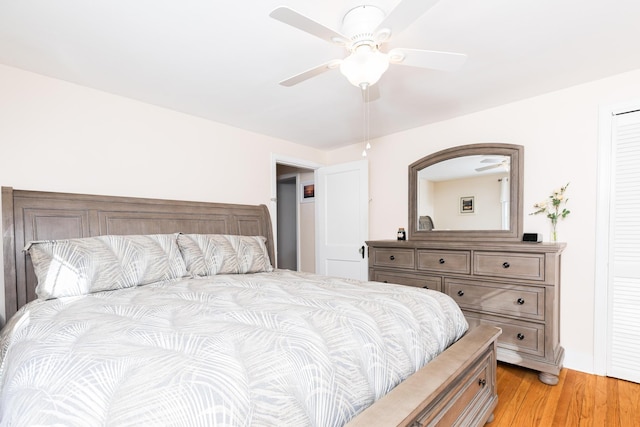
(456, 388)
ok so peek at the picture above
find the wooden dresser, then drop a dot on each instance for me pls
(515, 286)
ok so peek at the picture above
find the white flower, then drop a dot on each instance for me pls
(541, 205)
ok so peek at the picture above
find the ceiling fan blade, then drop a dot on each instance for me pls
(484, 168)
(371, 93)
(308, 25)
(444, 61)
(404, 14)
(312, 72)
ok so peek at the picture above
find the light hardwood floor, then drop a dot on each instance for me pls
(579, 399)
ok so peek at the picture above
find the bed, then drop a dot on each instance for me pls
(186, 342)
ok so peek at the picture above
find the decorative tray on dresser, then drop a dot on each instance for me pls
(514, 285)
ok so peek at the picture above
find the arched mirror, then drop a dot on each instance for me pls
(469, 192)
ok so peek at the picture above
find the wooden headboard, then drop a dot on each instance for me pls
(37, 215)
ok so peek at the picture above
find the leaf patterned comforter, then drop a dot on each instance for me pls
(265, 349)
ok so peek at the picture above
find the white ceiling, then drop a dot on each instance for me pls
(222, 60)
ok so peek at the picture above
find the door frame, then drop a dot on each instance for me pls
(277, 159)
(602, 273)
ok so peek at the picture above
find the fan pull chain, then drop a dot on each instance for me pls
(366, 121)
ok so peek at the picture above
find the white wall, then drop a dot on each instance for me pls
(487, 211)
(559, 131)
(57, 136)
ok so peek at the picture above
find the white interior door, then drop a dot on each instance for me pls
(342, 219)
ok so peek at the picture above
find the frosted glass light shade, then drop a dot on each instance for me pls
(365, 66)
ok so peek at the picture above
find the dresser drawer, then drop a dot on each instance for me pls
(444, 261)
(400, 258)
(498, 298)
(525, 337)
(416, 280)
(509, 265)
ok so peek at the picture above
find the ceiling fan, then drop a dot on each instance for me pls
(495, 163)
(364, 30)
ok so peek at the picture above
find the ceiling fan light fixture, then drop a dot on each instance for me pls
(364, 66)
(364, 29)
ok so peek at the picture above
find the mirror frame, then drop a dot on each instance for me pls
(516, 152)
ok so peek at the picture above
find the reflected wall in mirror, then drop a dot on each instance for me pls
(467, 192)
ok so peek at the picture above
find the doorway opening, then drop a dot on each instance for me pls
(287, 217)
(294, 214)
(319, 219)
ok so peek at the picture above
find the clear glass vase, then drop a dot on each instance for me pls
(554, 232)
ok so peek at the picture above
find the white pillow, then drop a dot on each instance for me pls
(80, 266)
(211, 254)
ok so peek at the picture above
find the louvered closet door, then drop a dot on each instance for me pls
(623, 359)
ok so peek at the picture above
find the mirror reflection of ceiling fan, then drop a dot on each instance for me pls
(495, 163)
(365, 29)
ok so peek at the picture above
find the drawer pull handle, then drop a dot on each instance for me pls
(520, 337)
(520, 301)
(441, 260)
(505, 265)
(392, 257)
(460, 293)
(482, 382)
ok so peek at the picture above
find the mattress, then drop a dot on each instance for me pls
(264, 349)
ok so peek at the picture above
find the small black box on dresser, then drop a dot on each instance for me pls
(532, 237)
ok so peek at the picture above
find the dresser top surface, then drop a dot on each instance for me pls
(531, 247)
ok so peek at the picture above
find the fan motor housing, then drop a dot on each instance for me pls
(360, 22)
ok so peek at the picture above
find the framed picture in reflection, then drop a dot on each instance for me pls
(467, 204)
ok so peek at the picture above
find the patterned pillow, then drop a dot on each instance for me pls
(211, 254)
(93, 264)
